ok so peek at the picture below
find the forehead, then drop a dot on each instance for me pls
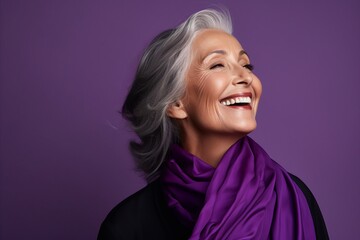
(211, 39)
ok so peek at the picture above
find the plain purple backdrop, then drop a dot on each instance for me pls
(65, 68)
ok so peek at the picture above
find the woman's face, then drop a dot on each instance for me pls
(222, 93)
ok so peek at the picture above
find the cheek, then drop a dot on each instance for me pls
(257, 87)
(202, 96)
(200, 85)
(211, 86)
(209, 91)
(200, 88)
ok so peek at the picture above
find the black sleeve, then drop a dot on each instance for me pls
(119, 224)
(320, 227)
(109, 231)
(143, 215)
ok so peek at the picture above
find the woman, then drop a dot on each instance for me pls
(192, 104)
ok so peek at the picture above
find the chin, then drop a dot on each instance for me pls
(247, 127)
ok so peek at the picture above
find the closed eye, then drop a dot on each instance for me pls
(218, 65)
(249, 66)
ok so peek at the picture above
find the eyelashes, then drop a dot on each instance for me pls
(220, 65)
(249, 66)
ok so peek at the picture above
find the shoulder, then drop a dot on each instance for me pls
(143, 215)
(128, 208)
(320, 227)
(123, 220)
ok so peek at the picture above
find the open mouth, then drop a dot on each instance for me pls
(242, 100)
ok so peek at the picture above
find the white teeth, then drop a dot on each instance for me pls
(236, 100)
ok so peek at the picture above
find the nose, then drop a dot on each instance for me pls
(242, 75)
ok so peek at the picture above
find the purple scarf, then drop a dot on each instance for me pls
(248, 196)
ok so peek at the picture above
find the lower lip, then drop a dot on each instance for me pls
(248, 106)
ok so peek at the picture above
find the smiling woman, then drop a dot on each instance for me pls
(192, 103)
(221, 97)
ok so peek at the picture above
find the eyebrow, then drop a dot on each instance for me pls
(223, 52)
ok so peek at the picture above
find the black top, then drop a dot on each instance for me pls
(144, 215)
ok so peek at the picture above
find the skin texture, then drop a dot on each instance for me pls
(219, 68)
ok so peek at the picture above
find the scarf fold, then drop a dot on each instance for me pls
(248, 195)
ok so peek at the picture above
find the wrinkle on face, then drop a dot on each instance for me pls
(206, 84)
(209, 127)
(197, 82)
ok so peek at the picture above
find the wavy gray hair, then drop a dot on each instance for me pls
(159, 82)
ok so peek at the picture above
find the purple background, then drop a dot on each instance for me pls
(65, 68)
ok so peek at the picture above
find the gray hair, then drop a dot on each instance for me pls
(159, 82)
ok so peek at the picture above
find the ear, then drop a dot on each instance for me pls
(176, 110)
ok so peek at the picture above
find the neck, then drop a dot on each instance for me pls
(209, 147)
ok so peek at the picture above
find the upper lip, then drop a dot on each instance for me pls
(245, 94)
